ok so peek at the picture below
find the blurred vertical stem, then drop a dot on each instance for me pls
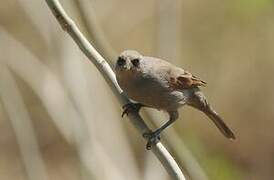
(69, 26)
(168, 36)
(22, 125)
(93, 28)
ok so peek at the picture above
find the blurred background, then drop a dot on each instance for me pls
(60, 120)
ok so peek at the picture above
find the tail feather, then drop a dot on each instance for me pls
(218, 121)
(198, 101)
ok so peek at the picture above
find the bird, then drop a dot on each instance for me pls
(155, 83)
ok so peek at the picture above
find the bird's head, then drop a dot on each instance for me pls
(128, 60)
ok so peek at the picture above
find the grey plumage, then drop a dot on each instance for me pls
(156, 83)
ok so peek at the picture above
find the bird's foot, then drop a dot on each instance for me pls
(153, 138)
(131, 107)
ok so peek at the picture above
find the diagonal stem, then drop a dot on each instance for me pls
(69, 26)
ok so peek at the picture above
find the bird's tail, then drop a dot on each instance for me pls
(199, 101)
(218, 121)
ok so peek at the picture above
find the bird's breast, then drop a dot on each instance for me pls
(152, 92)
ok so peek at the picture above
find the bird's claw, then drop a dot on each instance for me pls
(131, 107)
(153, 138)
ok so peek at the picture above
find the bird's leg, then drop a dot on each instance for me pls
(131, 107)
(154, 137)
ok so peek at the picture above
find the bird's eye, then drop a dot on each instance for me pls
(135, 62)
(121, 61)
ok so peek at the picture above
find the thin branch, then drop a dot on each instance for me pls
(93, 28)
(189, 164)
(69, 26)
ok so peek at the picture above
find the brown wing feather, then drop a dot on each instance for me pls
(185, 80)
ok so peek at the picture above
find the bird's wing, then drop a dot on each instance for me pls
(177, 78)
(181, 79)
